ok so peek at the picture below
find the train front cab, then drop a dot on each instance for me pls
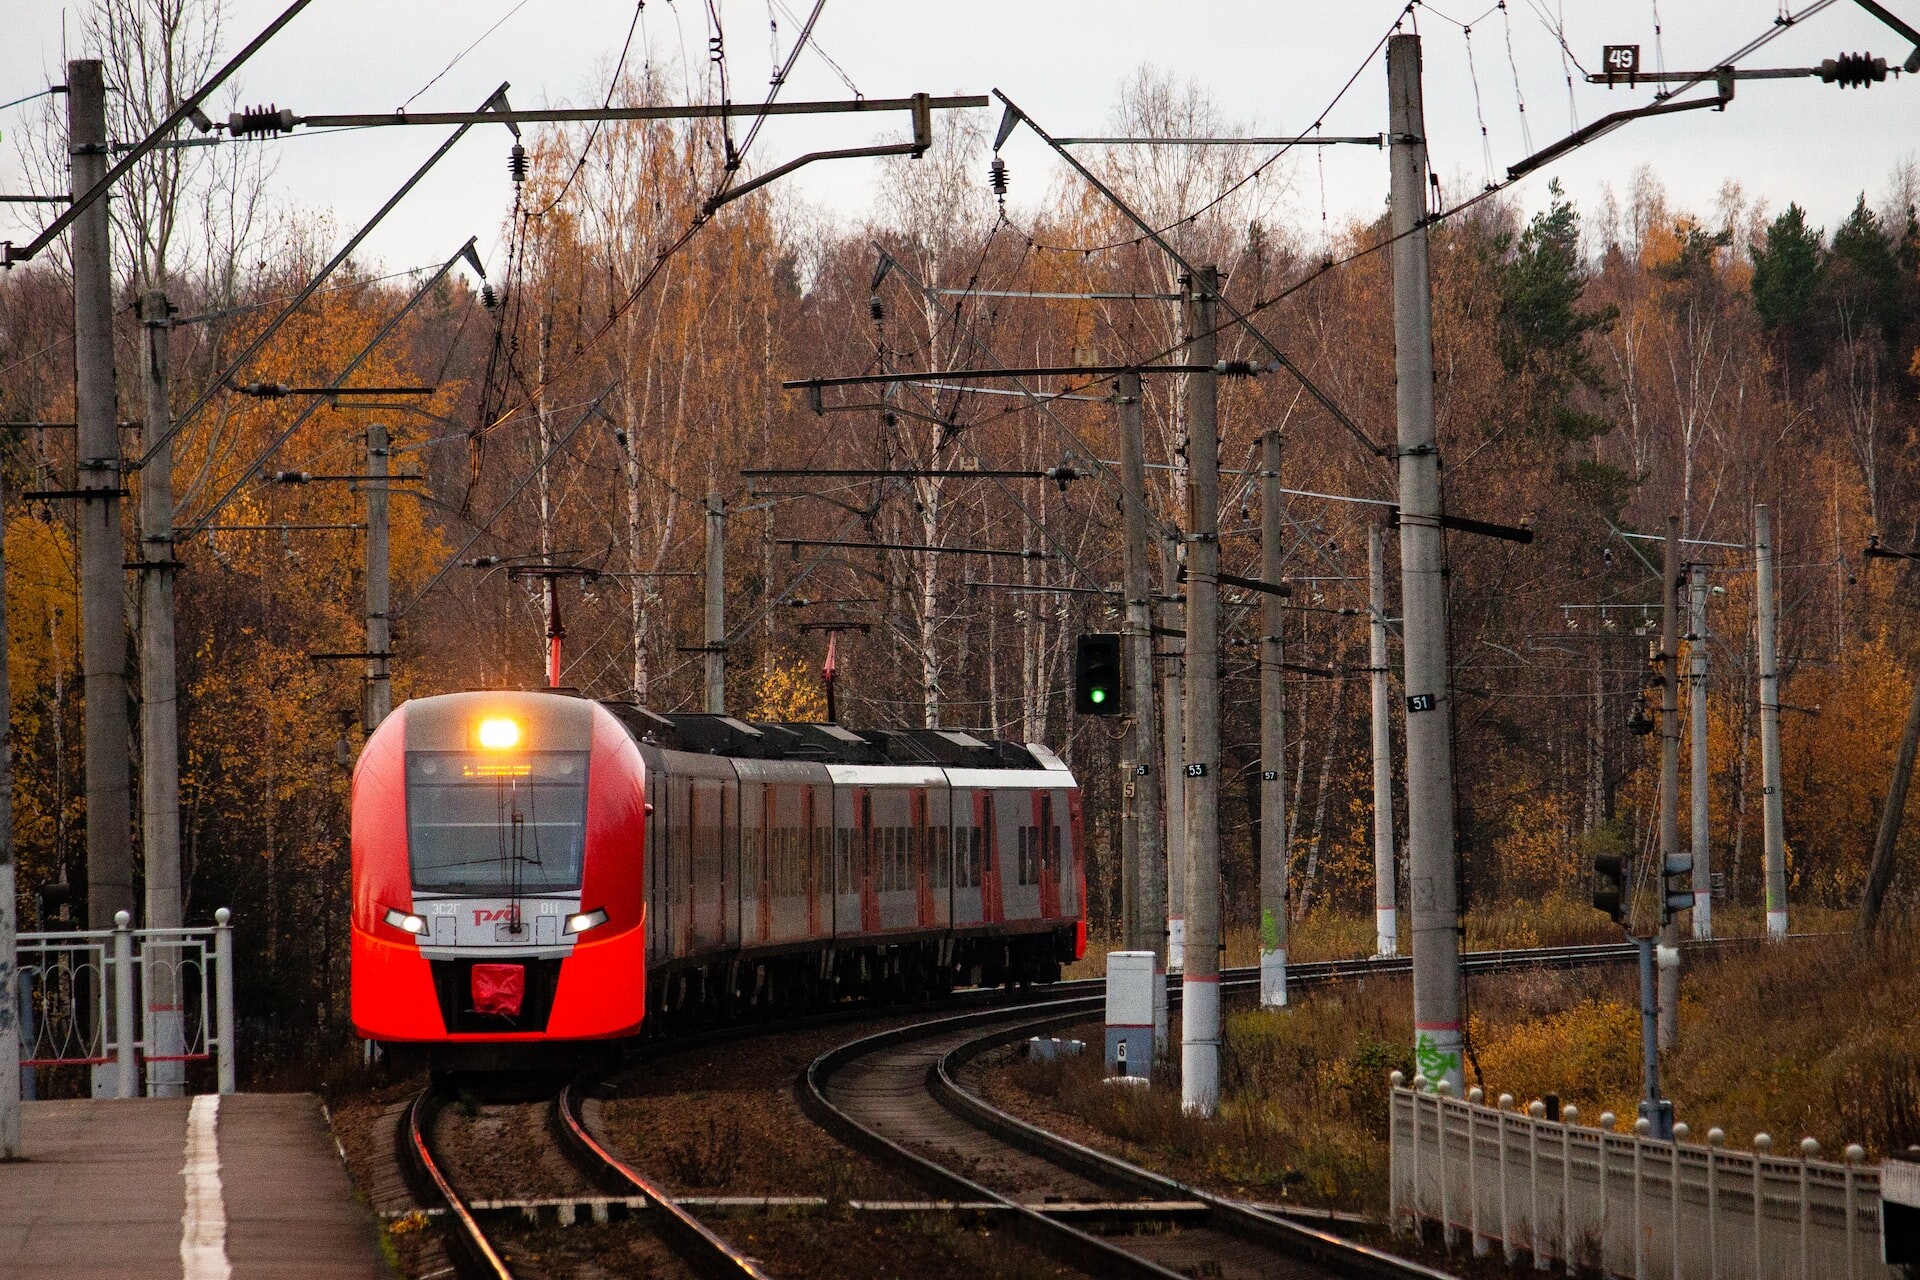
(498, 894)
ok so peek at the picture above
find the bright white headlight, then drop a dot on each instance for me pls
(586, 920)
(406, 923)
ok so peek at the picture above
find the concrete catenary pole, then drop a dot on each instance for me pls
(1147, 906)
(1432, 860)
(716, 646)
(103, 593)
(1200, 981)
(1273, 740)
(1698, 788)
(9, 1026)
(1669, 952)
(1774, 824)
(1173, 721)
(1386, 915)
(159, 710)
(379, 695)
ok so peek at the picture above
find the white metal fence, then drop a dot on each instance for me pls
(1627, 1205)
(109, 999)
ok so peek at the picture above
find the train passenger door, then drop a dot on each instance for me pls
(992, 903)
(866, 853)
(810, 825)
(1047, 836)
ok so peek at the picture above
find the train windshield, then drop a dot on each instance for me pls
(483, 824)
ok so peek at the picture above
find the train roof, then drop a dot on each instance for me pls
(721, 735)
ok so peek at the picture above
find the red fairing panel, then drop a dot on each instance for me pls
(603, 984)
(615, 875)
(381, 875)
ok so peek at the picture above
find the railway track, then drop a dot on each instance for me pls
(877, 1093)
(897, 1097)
(476, 1252)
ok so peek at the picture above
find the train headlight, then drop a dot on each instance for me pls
(498, 733)
(406, 923)
(585, 920)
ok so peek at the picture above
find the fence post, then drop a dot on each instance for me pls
(1715, 1136)
(29, 1034)
(1447, 1234)
(1809, 1148)
(1535, 1110)
(1569, 1117)
(1413, 1100)
(1762, 1143)
(1506, 1223)
(1393, 1173)
(1640, 1128)
(1855, 1153)
(1603, 1155)
(123, 986)
(1476, 1096)
(1673, 1201)
(223, 994)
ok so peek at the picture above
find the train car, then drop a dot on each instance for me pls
(536, 871)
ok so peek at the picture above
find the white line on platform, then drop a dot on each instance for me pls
(203, 1227)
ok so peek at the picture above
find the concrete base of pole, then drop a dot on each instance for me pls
(1667, 960)
(1776, 924)
(1200, 1046)
(1273, 979)
(166, 1029)
(1176, 944)
(1702, 916)
(1438, 1054)
(1386, 931)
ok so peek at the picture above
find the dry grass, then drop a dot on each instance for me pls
(1816, 1037)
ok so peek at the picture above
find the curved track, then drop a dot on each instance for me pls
(879, 1094)
(468, 1247)
(897, 1097)
(475, 1255)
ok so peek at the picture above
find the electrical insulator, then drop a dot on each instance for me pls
(517, 164)
(997, 177)
(262, 120)
(876, 308)
(488, 298)
(1236, 368)
(1854, 70)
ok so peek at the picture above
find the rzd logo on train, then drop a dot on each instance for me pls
(504, 915)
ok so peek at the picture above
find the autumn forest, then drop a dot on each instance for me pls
(1600, 366)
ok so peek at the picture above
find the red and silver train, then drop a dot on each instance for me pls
(536, 868)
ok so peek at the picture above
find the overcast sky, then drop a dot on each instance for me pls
(1272, 67)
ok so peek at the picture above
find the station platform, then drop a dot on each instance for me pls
(242, 1187)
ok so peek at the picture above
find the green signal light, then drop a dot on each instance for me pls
(1097, 696)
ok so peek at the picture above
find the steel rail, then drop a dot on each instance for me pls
(473, 1254)
(1316, 1247)
(1070, 1244)
(704, 1251)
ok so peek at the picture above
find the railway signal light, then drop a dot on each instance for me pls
(1610, 886)
(1096, 674)
(1676, 886)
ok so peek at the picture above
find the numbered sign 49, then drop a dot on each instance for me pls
(1620, 59)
